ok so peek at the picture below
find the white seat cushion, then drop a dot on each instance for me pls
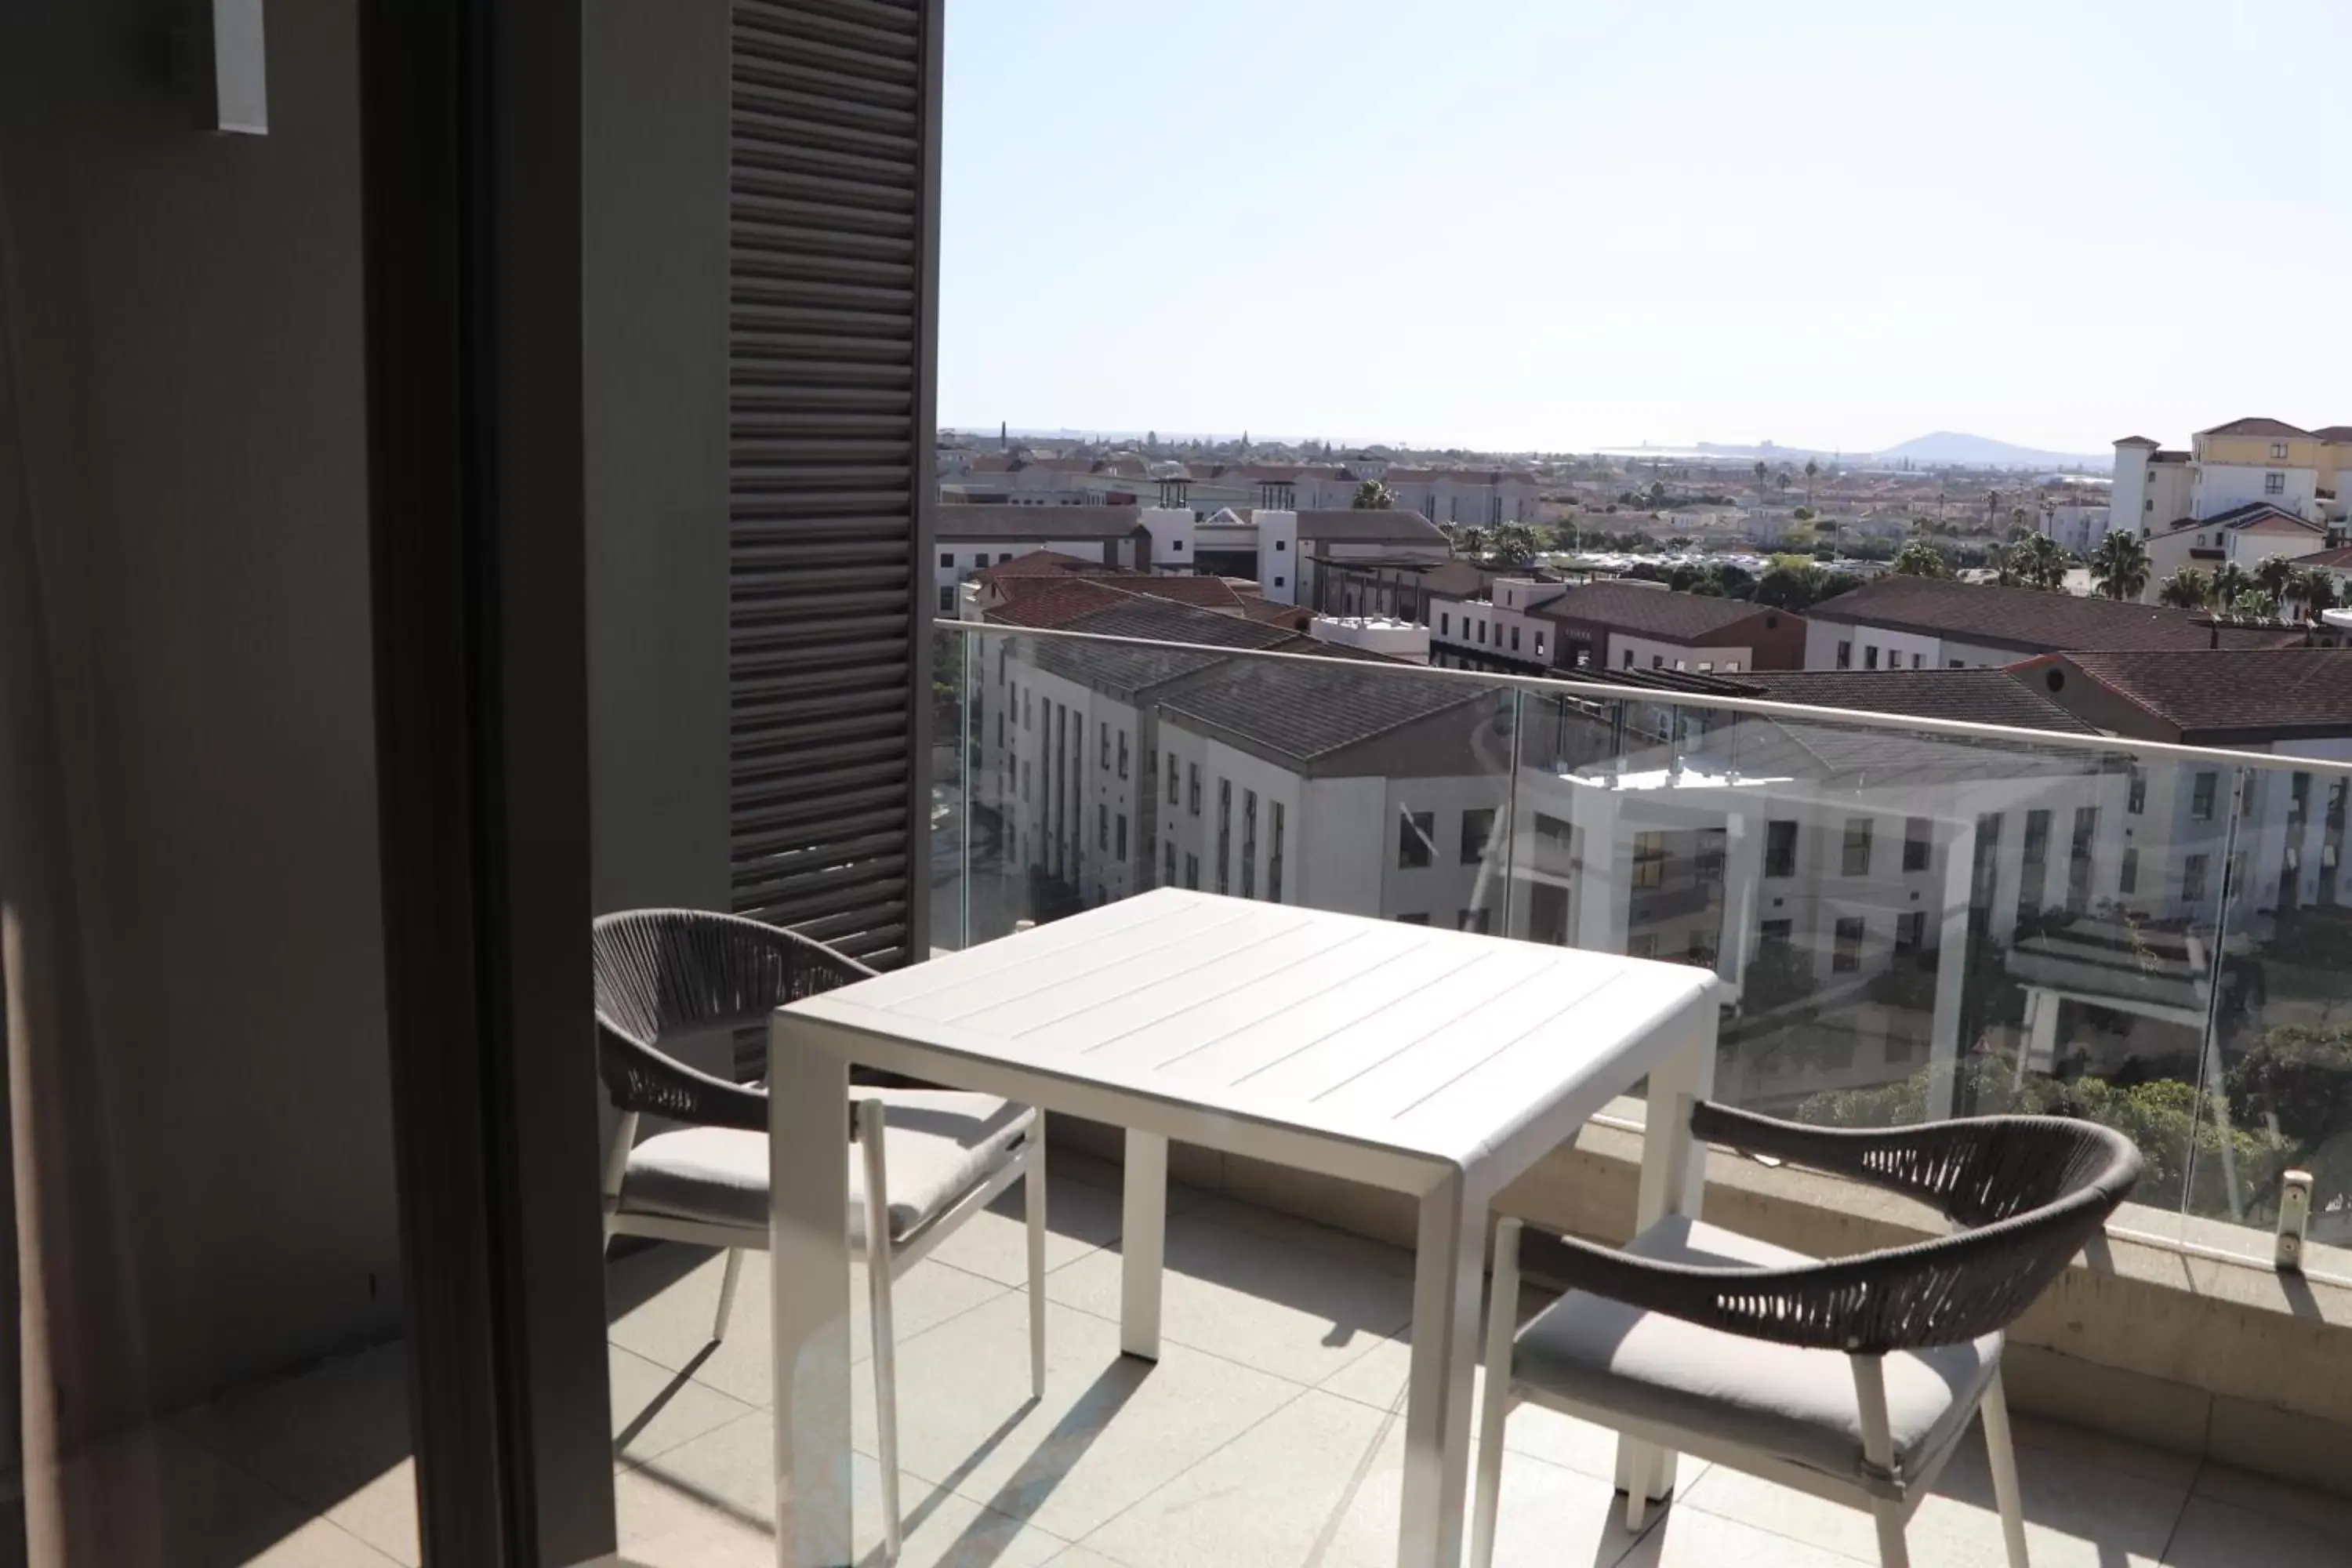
(938, 1145)
(1794, 1403)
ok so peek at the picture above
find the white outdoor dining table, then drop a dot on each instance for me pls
(1437, 1063)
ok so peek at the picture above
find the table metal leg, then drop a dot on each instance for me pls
(1142, 1242)
(1674, 1181)
(808, 1173)
(1447, 1265)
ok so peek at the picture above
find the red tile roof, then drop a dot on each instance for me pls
(2027, 619)
(2221, 694)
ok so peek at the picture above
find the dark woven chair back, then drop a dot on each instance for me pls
(662, 971)
(2032, 1190)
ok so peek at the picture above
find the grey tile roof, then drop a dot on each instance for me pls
(1974, 696)
(1164, 620)
(1397, 526)
(1305, 710)
(1652, 612)
(991, 522)
(2027, 619)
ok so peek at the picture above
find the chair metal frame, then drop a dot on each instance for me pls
(2029, 1192)
(662, 944)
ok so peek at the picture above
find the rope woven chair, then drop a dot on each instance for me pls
(925, 1160)
(1697, 1340)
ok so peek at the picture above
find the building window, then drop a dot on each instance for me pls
(2147, 505)
(1845, 955)
(1445, 623)
(1193, 788)
(1856, 861)
(1415, 830)
(2033, 869)
(1024, 781)
(2200, 795)
(2135, 797)
(1515, 640)
(2078, 859)
(1102, 828)
(1918, 661)
(1870, 656)
(2273, 484)
(1956, 663)
(1278, 580)
(1472, 920)
(1918, 841)
(1845, 656)
(1775, 933)
(2127, 880)
(1003, 556)
(1192, 872)
(947, 560)
(1122, 753)
(2278, 451)
(1910, 934)
(2192, 878)
(1177, 548)
(1413, 920)
(1249, 844)
(1629, 659)
(1106, 745)
(1649, 859)
(1273, 857)
(1477, 827)
(1280, 546)
(1028, 709)
(2298, 797)
(947, 601)
(1168, 879)
(1780, 848)
(1224, 835)
(1482, 633)
(1539, 651)
(1706, 666)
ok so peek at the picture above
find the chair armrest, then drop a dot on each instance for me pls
(1962, 1168)
(639, 1079)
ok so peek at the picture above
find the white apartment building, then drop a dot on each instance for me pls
(2243, 492)
(1929, 622)
(1284, 550)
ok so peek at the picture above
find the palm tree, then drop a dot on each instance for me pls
(1812, 470)
(2315, 589)
(2255, 604)
(2040, 562)
(1760, 471)
(2119, 565)
(2185, 589)
(1780, 481)
(1514, 544)
(1474, 543)
(2274, 575)
(1992, 509)
(2018, 517)
(1920, 558)
(2003, 574)
(2229, 581)
(1373, 496)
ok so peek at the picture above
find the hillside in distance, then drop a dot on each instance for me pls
(1956, 448)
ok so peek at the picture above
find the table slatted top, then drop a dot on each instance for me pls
(1426, 1042)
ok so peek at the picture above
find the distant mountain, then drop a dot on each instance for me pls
(1952, 448)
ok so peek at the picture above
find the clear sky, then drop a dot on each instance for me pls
(1557, 224)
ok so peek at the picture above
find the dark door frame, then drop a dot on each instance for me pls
(470, 114)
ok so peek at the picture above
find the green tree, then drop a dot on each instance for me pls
(1373, 496)
(1514, 544)
(2185, 589)
(2274, 575)
(2119, 565)
(1812, 469)
(2300, 1080)
(2315, 589)
(1920, 558)
(2041, 562)
(2229, 581)
(1474, 544)
(1790, 585)
(2255, 604)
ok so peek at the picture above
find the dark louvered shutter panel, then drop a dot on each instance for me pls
(834, 272)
